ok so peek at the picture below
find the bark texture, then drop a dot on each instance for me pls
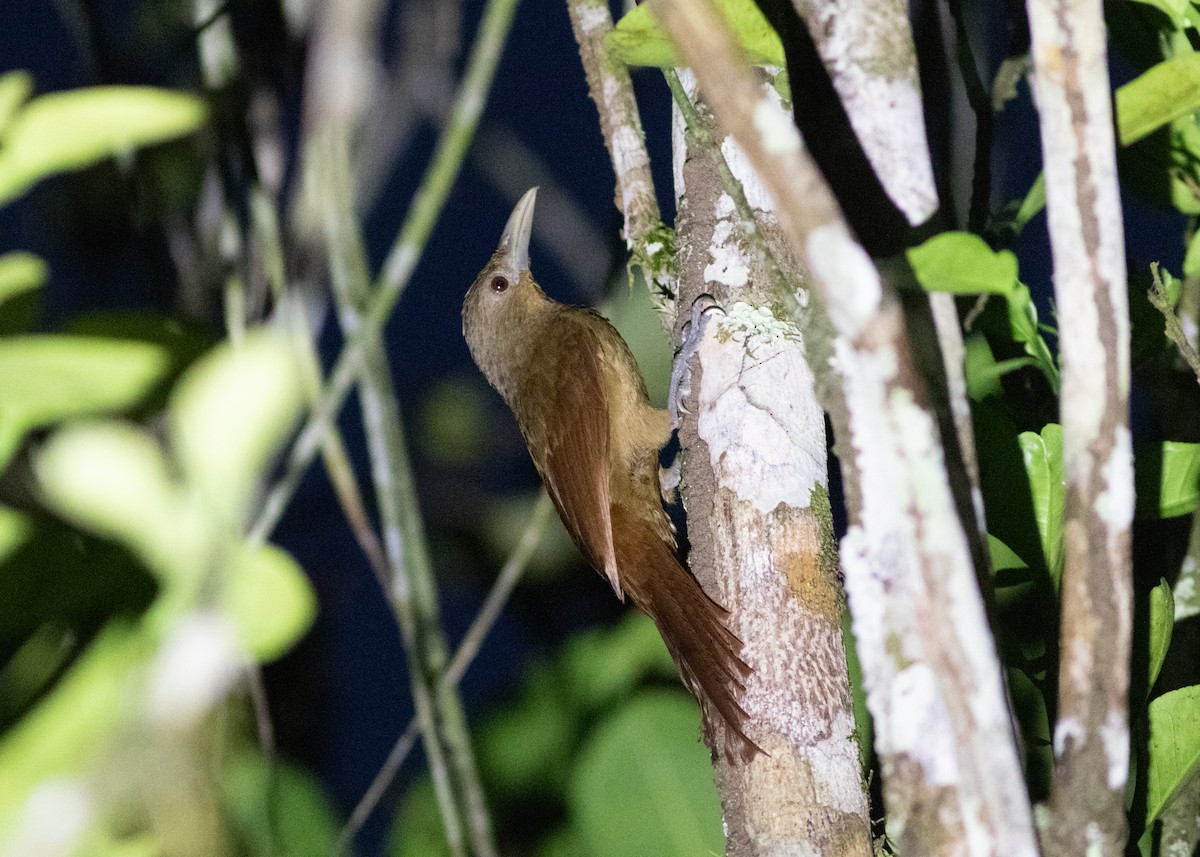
(754, 467)
(952, 778)
(1091, 735)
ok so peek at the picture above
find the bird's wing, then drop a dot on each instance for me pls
(571, 448)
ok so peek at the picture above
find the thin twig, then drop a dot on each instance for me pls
(327, 158)
(402, 260)
(1174, 329)
(510, 574)
(341, 56)
(649, 241)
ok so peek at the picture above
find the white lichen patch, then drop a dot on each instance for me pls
(653, 248)
(925, 469)
(921, 727)
(593, 16)
(629, 157)
(1067, 729)
(1094, 837)
(757, 196)
(1187, 597)
(758, 412)
(886, 114)
(1114, 504)
(775, 128)
(1079, 663)
(848, 277)
(752, 325)
(728, 265)
(1114, 735)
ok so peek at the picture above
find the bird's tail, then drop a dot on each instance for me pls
(693, 626)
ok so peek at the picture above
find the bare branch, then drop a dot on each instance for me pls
(952, 778)
(483, 622)
(1091, 736)
(648, 240)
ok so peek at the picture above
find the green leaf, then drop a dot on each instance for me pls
(1023, 324)
(604, 665)
(1174, 747)
(1003, 557)
(71, 130)
(1162, 623)
(962, 263)
(1031, 205)
(1029, 703)
(112, 479)
(1042, 454)
(229, 414)
(638, 38)
(643, 783)
(1167, 478)
(276, 809)
(22, 276)
(1161, 94)
(15, 87)
(982, 371)
(1191, 261)
(979, 365)
(46, 378)
(72, 726)
(270, 599)
(417, 830)
(15, 530)
(527, 747)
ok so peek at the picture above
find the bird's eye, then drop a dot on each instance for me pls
(499, 284)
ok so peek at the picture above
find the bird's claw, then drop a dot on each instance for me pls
(681, 374)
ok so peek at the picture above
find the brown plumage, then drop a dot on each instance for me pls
(580, 401)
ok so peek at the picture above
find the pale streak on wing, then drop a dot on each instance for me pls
(573, 448)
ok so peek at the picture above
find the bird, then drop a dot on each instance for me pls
(581, 404)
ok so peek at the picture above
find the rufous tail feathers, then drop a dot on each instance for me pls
(692, 625)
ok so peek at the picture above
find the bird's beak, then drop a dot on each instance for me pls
(514, 243)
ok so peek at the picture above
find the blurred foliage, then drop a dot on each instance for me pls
(590, 739)
(132, 606)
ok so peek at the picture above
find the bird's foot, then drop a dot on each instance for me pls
(681, 373)
(669, 479)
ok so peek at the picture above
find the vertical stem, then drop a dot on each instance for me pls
(649, 241)
(341, 55)
(755, 487)
(1091, 735)
(406, 251)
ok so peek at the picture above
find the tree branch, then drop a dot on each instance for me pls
(648, 240)
(1091, 735)
(760, 525)
(406, 251)
(952, 778)
(341, 53)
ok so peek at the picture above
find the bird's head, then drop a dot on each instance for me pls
(504, 298)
